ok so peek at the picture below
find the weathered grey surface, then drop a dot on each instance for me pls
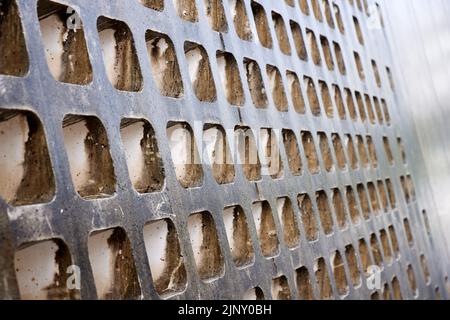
(73, 219)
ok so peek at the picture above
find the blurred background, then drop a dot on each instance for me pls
(420, 43)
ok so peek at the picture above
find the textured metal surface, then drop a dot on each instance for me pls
(73, 219)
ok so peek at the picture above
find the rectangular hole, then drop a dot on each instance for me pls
(255, 83)
(313, 99)
(362, 152)
(388, 150)
(310, 152)
(391, 193)
(327, 53)
(277, 88)
(394, 241)
(304, 7)
(239, 237)
(323, 279)
(411, 188)
(339, 209)
(296, 93)
(373, 198)
(339, 151)
(326, 99)
(364, 255)
(328, 15)
(290, 3)
(358, 31)
(165, 257)
(299, 42)
(426, 222)
(280, 289)
(383, 195)
(219, 154)
(280, 31)
(292, 152)
(90, 161)
(339, 58)
(325, 150)
(205, 245)
(240, 20)
(391, 78)
(288, 220)
(339, 101)
(144, 161)
(262, 25)
(64, 43)
(304, 287)
(339, 273)
(253, 294)
(364, 201)
(248, 153)
(361, 107)
(338, 17)
(386, 292)
(119, 55)
(351, 152)
(367, 8)
(402, 149)
(272, 162)
(376, 73)
(316, 10)
(375, 296)
(265, 228)
(359, 66)
(324, 212)
(412, 280)
(369, 107)
(437, 293)
(386, 246)
(165, 68)
(352, 205)
(350, 104)
(200, 72)
(397, 292)
(359, 5)
(25, 167)
(425, 269)
(352, 261)
(231, 80)
(372, 152)
(308, 217)
(216, 15)
(378, 110)
(42, 271)
(112, 264)
(185, 156)
(376, 251)
(13, 50)
(153, 4)
(408, 232)
(387, 116)
(314, 48)
(380, 14)
(187, 10)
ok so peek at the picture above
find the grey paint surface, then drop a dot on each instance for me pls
(417, 109)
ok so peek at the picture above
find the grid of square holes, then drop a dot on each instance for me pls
(207, 149)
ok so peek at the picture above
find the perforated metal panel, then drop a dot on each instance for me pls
(99, 112)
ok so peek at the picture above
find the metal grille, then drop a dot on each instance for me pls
(94, 122)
